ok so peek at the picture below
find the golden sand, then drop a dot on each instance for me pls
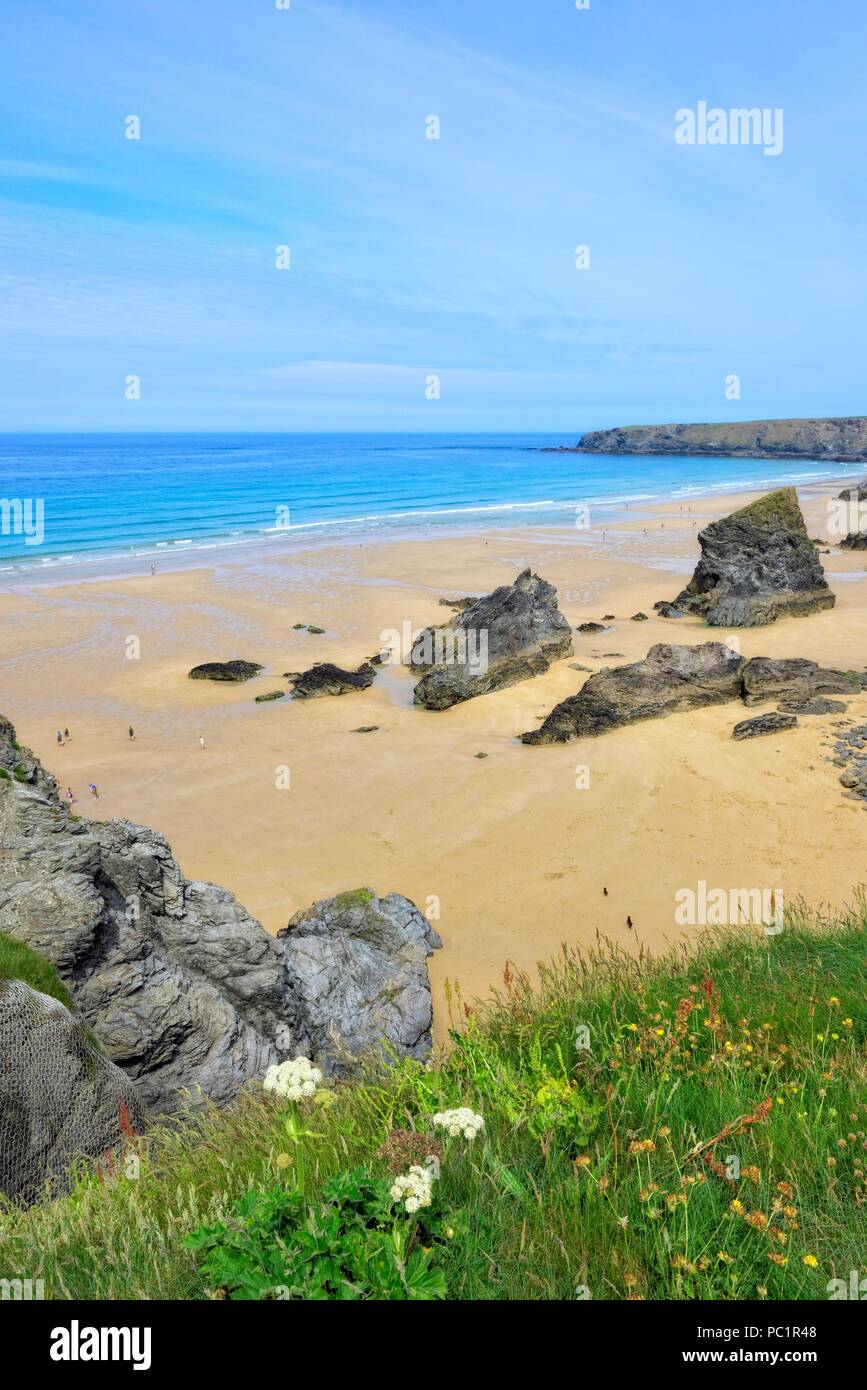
(514, 852)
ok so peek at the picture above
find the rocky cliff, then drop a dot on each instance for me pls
(184, 989)
(843, 440)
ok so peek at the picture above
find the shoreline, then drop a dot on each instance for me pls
(509, 851)
(176, 556)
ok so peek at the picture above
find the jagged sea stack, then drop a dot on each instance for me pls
(505, 637)
(757, 565)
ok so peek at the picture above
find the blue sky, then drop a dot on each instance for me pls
(410, 257)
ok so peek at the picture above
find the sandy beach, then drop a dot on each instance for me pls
(512, 853)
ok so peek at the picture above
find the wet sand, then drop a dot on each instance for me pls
(510, 850)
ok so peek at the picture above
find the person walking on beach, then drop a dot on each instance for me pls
(131, 734)
(201, 743)
(94, 793)
(69, 795)
(59, 736)
(66, 734)
(629, 923)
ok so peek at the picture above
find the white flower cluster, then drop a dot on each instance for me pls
(414, 1189)
(461, 1121)
(293, 1080)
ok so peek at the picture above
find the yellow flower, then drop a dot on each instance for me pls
(820, 1037)
(847, 1023)
(726, 1258)
(282, 1160)
(664, 1132)
(833, 999)
(737, 1206)
(811, 1262)
(633, 1027)
(777, 1259)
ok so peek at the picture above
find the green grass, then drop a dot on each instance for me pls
(20, 962)
(596, 1169)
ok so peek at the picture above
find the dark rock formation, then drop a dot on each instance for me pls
(852, 757)
(359, 964)
(668, 610)
(638, 618)
(676, 678)
(857, 493)
(842, 440)
(670, 678)
(817, 705)
(792, 679)
(182, 987)
(757, 565)
(61, 1099)
(856, 540)
(763, 724)
(270, 695)
(588, 628)
(505, 637)
(326, 679)
(236, 670)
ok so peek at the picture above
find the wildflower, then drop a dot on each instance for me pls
(833, 1000)
(414, 1189)
(811, 1262)
(403, 1147)
(758, 1220)
(847, 1022)
(296, 1080)
(583, 1161)
(460, 1121)
(664, 1132)
(639, 1146)
(751, 1172)
(786, 1189)
(725, 1257)
(282, 1160)
(777, 1258)
(737, 1206)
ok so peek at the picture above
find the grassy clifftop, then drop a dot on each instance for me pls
(843, 440)
(689, 1128)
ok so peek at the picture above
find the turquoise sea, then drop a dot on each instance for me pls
(79, 499)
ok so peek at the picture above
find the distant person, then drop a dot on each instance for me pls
(131, 734)
(605, 892)
(66, 734)
(629, 923)
(153, 568)
(59, 736)
(69, 795)
(94, 793)
(201, 743)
